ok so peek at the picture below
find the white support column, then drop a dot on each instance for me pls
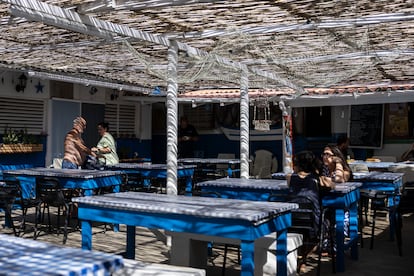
(172, 119)
(244, 125)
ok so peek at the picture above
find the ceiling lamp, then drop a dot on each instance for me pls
(93, 90)
(261, 114)
(21, 83)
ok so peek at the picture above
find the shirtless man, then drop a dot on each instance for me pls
(75, 149)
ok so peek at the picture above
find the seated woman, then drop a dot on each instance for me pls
(335, 168)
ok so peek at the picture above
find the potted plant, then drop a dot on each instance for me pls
(10, 136)
(19, 142)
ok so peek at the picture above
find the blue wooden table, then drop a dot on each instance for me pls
(385, 181)
(374, 166)
(203, 163)
(148, 171)
(237, 219)
(13, 167)
(85, 180)
(344, 197)
(20, 256)
(279, 175)
(381, 181)
(247, 189)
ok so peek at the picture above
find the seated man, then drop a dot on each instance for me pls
(408, 155)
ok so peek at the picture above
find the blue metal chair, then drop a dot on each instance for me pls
(24, 203)
(52, 194)
(8, 194)
(314, 229)
(385, 201)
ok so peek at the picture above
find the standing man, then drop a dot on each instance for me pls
(343, 144)
(75, 149)
(187, 135)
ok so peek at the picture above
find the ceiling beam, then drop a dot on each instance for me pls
(79, 80)
(87, 82)
(395, 96)
(70, 20)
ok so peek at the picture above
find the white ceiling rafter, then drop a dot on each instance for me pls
(91, 82)
(79, 80)
(68, 19)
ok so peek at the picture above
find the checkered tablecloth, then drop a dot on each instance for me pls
(62, 173)
(208, 161)
(241, 183)
(144, 166)
(206, 207)
(378, 176)
(20, 256)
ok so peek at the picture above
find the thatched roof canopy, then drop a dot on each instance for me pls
(290, 47)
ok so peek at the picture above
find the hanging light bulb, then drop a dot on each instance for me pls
(21, 85)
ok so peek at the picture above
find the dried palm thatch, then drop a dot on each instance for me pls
(286, 46)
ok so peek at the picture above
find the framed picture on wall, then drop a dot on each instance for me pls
(396, 123)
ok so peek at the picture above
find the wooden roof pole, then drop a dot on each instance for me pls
(244, 125)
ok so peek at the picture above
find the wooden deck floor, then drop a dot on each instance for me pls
(152, 247)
